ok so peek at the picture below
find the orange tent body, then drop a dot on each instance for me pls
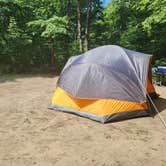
(102, 109)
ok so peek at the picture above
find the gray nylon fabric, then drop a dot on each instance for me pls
(104, 119)
(106, 72)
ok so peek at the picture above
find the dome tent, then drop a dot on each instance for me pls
(107, 83)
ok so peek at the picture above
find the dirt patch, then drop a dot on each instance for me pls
(30, 134)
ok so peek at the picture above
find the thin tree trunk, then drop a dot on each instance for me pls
(79, 36)
(51, 51)
(87, 25)
(66, 38)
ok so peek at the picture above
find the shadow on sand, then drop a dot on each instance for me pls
(160, 104)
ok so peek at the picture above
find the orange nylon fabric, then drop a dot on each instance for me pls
(101, 107)
(150, 87)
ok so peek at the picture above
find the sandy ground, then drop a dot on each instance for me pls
(30, 134)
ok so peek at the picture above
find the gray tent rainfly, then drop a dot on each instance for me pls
(91, 74)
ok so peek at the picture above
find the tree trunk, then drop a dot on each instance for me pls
(66, 37)
(87, 25)
(52, 54)
(79, 36)
(51, 51)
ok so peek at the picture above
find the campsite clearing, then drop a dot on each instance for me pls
(31, 134)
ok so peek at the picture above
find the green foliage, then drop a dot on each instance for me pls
(157, 9)
(51, 27)
(160, 62)
(60, 62)
(137, 24)
(40, 35)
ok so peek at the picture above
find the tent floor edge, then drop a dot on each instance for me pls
(103, 119)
